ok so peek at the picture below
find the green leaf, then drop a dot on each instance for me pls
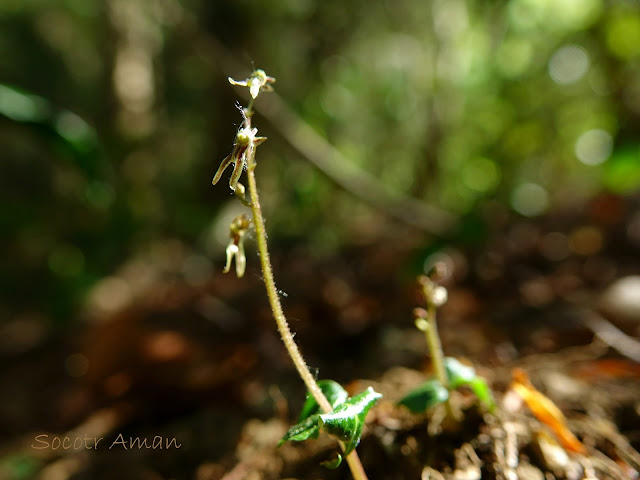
(304, 430)
(332, 464)
(347, 420)
(481, 390)
(460, 374)
(334, 393)
(427, 395)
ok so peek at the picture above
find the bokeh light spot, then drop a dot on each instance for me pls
(526, 14)
(593, 147)
(586, 240)
(529, 199)
(480, 174)
(165, 346)
(514, 57)
(623, 35)
(568, 64)
(573, 14)
(111, 294)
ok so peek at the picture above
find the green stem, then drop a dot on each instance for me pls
(249, 109)
(437, 357)
(283, 326)
(435, 347)
(274, 299)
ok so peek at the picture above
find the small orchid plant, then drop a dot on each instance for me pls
(449, 372)
(328, 407)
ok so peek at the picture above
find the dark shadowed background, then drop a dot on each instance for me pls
(502, 136)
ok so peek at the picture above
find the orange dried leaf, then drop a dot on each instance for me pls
(545, 411)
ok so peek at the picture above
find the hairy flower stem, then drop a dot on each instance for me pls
(283, 327)
(274, 299)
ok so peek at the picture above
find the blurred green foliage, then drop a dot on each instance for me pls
(115, 114)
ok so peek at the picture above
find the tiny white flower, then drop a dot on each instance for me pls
(257, 82)
(237, 231)
(246, 141)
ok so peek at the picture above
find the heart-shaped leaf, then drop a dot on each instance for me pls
(347, 419)
(334, 393)
(427, 395)
(345, 422)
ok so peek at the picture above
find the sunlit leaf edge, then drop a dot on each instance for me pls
(460, 374)
(347, 420)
